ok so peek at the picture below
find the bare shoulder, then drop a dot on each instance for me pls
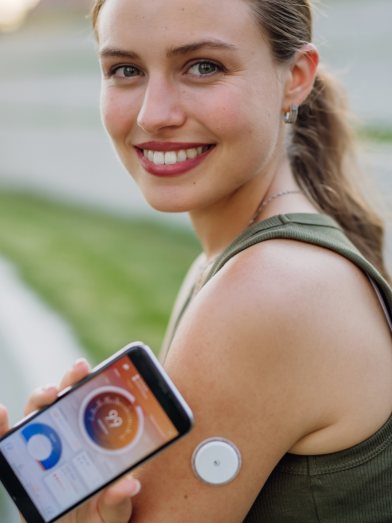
(301, 281)
(291, 287)
(292, 266)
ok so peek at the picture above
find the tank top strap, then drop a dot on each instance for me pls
(381, 299)
(316, 229)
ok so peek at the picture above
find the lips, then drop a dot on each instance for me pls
(171, 158)
(169, 146)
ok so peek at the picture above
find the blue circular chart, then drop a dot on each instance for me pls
(43, 444)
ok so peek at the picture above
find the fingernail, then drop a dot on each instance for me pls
(137, 486)
(49, 387)
(78, 362)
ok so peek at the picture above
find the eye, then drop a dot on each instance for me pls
(203, 68)
(127, 71)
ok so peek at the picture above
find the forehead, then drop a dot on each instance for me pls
(167, 23)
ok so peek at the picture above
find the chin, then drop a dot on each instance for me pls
(166, 196)
(167, 205)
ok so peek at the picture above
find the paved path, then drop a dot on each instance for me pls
(36, 347)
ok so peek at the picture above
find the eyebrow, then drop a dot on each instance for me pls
(107, 52)
(172, 51)
(204, 44)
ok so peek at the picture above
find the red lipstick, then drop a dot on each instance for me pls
(171, 170)
(169, 146)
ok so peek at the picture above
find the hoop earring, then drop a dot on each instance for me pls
(292, 116)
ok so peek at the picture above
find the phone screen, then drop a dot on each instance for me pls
(88, 438)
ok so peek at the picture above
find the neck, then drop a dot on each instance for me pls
(217, 225)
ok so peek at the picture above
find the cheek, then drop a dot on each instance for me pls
(119, 113)
(245, 119)
(239, 115)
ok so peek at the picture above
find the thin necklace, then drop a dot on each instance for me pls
(198, 284)
(263, 204)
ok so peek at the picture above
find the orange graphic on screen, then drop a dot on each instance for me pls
(111, 420)
(147, 401)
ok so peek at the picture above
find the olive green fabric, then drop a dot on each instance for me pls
(351, 486)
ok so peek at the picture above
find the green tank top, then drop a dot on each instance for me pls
(350, 486)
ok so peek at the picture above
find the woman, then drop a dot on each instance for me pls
(285, 351)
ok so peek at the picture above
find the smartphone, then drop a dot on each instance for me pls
(125, 412)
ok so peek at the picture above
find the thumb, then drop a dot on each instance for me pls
(115, 505)
(4, 425)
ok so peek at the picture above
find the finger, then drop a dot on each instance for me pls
(41, 398)
(79, 371)
(4, 424)
(115, 505)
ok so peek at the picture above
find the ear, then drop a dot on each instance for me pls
(301, 76)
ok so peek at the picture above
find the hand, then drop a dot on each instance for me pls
(113, 505)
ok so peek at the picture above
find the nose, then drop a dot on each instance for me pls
(161, 108)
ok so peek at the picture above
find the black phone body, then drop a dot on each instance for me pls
(125, 412)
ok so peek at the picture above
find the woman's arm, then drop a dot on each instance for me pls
(244, 363)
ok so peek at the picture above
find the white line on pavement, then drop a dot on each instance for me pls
(37, 343)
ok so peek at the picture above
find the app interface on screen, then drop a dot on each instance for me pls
(87, 439)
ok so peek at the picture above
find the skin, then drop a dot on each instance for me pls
(286, 349)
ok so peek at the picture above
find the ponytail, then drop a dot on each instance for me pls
(322, 154)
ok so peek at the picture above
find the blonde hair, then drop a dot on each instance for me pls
(322, 146)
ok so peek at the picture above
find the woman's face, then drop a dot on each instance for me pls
(182, 79)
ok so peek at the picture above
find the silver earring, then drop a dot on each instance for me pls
(292, 116)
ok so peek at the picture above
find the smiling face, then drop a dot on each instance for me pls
(190, 97)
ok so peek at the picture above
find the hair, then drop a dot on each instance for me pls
(94, 13)
(321, 144)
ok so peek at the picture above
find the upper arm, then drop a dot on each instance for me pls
(243, 362)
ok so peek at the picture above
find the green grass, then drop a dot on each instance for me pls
(375, 134)
(114, 279)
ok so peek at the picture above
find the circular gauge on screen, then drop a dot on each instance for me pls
(110, 421)
(43, 444)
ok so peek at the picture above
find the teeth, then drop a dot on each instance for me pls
(159, 158)
(181, 157)
(191, 153)
(173, 157)
(170, 158)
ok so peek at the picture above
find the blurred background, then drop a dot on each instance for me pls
(85, 265)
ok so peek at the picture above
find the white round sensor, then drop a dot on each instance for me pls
(216, 461)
